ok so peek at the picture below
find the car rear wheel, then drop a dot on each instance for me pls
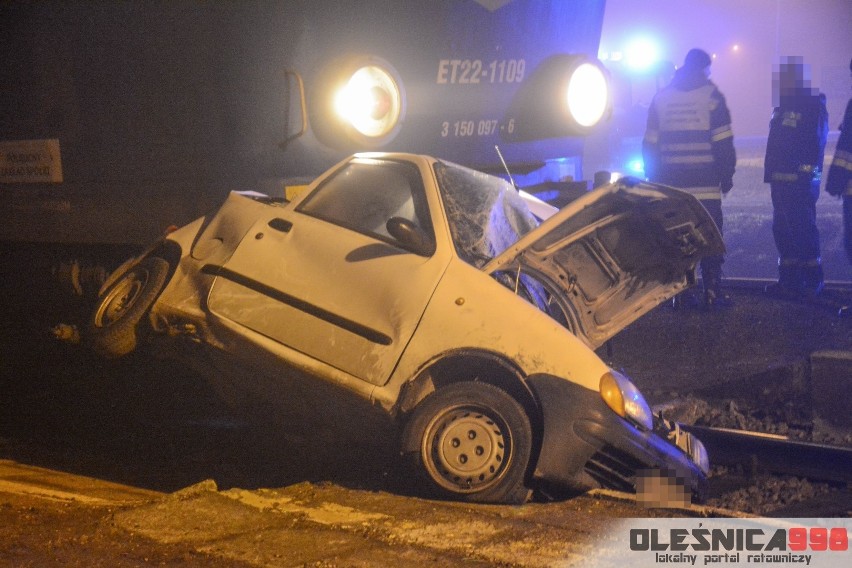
(473, 443)
(115, 324)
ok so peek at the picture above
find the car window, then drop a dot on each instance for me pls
(485, 213)
(366, 193)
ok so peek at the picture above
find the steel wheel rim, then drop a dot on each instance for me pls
(467, 448)
(121, 298)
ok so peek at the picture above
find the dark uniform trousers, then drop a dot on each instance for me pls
(796, 235)
(711, 266)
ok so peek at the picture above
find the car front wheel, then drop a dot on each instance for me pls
(473, 443)
(114, 326)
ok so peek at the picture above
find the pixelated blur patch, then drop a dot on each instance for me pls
(661, 488)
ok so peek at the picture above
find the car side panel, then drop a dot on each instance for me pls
(471, 310)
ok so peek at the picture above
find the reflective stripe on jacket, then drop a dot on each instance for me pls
(689, 141)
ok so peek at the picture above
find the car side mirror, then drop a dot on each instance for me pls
(410, 236)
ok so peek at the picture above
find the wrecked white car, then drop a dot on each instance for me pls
(430, 291)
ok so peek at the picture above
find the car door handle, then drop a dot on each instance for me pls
(281, 225)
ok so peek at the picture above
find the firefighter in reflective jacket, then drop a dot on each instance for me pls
(689, 144)
(839, 182)
(794, 156)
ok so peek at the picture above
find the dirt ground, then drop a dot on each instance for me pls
(41, 533)
(672, 352)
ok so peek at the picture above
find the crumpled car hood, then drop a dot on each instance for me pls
(615, 253)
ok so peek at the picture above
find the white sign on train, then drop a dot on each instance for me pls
(30, 161)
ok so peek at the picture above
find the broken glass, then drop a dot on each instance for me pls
(485, 213)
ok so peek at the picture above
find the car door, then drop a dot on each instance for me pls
(328, 280)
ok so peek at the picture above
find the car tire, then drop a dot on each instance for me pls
(473, 442)
(114, 327)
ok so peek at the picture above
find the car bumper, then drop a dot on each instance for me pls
(585, 445)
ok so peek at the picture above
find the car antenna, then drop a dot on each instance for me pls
(506, 167)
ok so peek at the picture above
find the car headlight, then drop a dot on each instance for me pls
(624, 399)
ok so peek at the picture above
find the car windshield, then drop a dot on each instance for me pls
(485, 213)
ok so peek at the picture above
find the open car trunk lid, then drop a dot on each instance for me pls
(614, 254)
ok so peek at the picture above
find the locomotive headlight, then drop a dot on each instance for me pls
(370, 102)
(564, 95)
(356, 103)
(587, 95)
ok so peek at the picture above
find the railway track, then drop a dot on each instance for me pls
(755, 473)
(771, 453)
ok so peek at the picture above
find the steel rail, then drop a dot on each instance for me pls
(775, 454)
